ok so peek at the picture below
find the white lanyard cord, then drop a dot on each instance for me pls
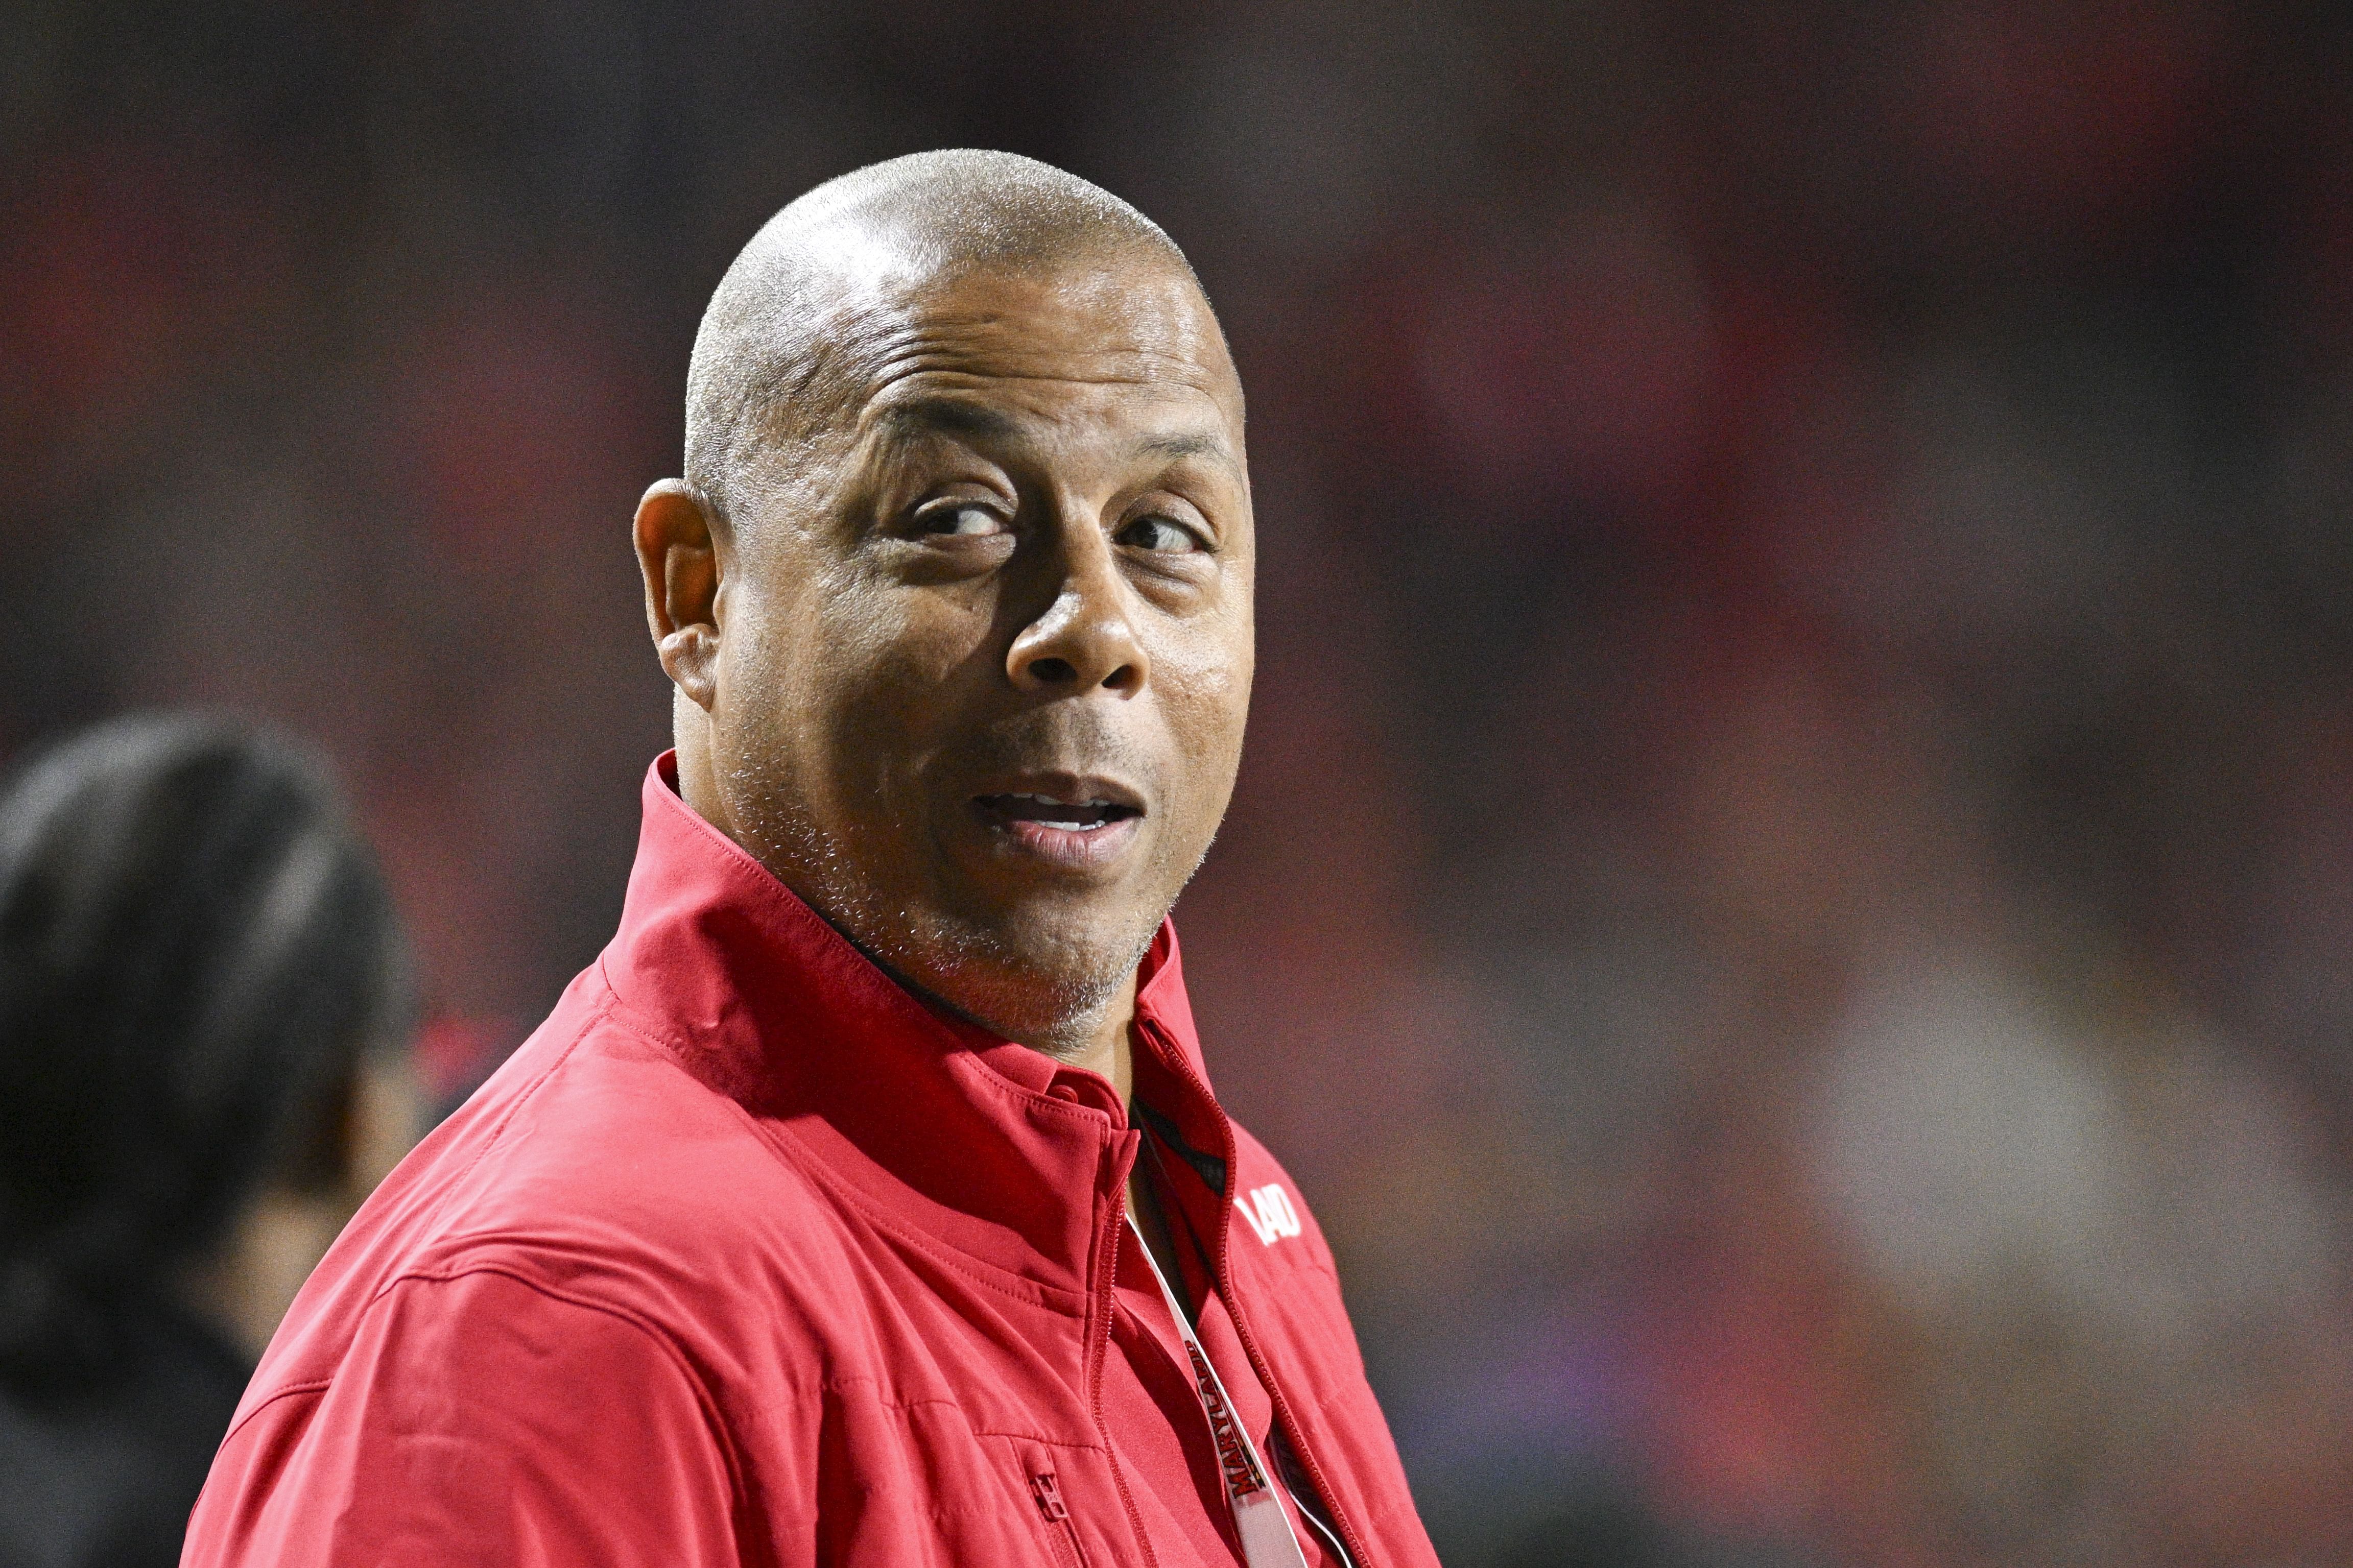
(1315, 1522)
(1258, 1519)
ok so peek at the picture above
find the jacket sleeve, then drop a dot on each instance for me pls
(477, 1419)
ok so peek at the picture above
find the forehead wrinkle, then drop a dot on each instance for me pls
(966, 348)
(894, 415)
(996, 349)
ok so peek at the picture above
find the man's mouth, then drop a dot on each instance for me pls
(1076, 827)
(1066, 815)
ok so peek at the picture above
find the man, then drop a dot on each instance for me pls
(810, 1227)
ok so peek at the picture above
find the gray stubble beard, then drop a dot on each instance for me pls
(952, 964)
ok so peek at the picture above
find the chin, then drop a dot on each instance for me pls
(1028, 948)
(1034, 980)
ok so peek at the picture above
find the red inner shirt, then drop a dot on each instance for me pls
(1151, 1404)
(1158, 1371)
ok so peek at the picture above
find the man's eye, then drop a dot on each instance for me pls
(968, 522)
(1158, 533)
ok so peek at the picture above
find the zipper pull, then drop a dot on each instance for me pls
(1049, 1493)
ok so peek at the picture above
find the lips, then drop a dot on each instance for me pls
(1068, 815)
(1080, 823)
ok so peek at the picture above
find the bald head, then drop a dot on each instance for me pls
(791, 338)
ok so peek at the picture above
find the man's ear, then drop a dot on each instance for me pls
(678, 557)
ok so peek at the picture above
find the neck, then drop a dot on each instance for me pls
(1103, 1047)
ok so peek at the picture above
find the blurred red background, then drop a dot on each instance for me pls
(1791, 896)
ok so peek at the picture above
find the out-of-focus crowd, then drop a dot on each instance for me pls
(1791, 900)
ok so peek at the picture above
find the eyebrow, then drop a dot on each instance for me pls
(957, 416)
(1190, 444)
(922, 415)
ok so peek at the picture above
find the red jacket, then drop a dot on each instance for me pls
(748, 1256)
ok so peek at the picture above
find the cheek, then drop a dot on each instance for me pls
(1203, 667)
(893, 674)
(1205, 687)
(795, 666)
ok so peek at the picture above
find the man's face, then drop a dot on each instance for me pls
(984, 654)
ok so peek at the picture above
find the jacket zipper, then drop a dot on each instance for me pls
(1350, 1543)
(1048, 1492)
(1106, 1269)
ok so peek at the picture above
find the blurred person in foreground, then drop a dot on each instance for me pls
(201, 994)
(821, 1221)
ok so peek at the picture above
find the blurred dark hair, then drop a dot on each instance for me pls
(196, 947)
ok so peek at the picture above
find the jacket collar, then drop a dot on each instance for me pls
(929, 1122)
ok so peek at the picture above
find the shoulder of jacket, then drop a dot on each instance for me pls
(600, 1164)
(1270, 1209)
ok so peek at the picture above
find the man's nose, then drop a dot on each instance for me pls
(1086, 637)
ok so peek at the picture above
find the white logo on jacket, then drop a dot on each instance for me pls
(1268, 1209)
